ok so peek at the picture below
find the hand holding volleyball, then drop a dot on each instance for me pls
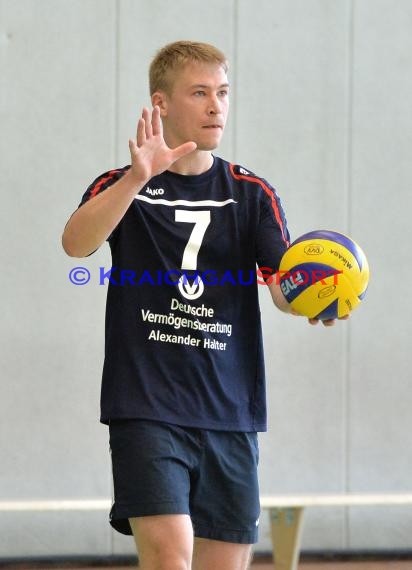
(324, 275)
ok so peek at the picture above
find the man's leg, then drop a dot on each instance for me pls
(225, 502)
(164, 542)
(218, 555)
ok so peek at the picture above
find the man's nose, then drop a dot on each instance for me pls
(215, 106)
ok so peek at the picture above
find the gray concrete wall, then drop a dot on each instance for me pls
(320, 107)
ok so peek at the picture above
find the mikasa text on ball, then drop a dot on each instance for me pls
(324, 274)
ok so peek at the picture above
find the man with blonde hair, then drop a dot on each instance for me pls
(183, 387)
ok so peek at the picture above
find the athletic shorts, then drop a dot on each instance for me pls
(166, 469)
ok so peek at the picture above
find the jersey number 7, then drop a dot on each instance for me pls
(201, 220)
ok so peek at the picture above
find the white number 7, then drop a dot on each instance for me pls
(201, 219)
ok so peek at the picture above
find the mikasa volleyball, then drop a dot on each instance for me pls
(324, 274)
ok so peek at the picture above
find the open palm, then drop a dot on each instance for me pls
(149, 153)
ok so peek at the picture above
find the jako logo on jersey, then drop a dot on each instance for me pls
(155, 191)
(243, 171)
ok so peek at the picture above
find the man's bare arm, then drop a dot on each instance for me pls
(95, 220)
(278, 297)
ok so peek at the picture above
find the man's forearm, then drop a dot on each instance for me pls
(278, 297)
(95, 220)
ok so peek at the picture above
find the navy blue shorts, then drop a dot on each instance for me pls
(165, 469)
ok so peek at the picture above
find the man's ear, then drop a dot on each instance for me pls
(159, 98)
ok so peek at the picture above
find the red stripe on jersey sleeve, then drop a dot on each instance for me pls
(267, 191)
(111, 174)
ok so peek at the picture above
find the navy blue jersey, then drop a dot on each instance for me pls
(183, 333)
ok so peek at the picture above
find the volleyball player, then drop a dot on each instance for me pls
(183, 387)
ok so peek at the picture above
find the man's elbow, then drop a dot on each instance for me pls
(71, 246)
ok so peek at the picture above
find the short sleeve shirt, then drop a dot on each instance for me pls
(183, 340)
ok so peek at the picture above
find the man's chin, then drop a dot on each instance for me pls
(207, 146)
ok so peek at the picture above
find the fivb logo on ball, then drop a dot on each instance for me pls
(289, 281)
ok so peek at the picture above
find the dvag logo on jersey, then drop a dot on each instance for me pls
(191, 290)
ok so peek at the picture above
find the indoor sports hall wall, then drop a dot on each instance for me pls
(321, 107)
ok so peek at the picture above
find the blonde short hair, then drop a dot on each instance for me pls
(175, 56)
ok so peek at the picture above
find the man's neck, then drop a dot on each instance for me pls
(194, 163)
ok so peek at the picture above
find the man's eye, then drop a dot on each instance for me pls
(199, 93)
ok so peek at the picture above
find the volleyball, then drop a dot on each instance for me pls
(324, 274)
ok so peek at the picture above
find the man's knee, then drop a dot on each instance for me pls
(164, 542)
(219, 555)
